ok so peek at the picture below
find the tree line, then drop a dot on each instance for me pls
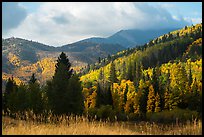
(60, 95)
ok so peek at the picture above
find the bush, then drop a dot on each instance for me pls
(133, 117)
(92, 113)
(105, 112)
(181, 115)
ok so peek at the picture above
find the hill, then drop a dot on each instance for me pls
(21, 57)
(130, 38)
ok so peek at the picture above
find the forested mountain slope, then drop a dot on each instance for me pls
(164, 74)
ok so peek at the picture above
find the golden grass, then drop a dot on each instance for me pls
(81, 126)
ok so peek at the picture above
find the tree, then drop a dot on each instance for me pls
(75, 96)
(35, 100)
(32, 79)
(166, 100)
(99, 95)
(99, 60)
(123, 74)
(138, 74)
(151, 100)
(112, 78)
(61, 93)
(125, 93)
(155, 79)
(11, 88)
(157, 103)
(130, 69)
(190, 79)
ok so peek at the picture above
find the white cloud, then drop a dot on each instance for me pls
(61, 23)
(193, 20)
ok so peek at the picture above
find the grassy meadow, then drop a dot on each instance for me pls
(80, 125)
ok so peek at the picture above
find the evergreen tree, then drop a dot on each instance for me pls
(35, 100)
(20, 101)
(61, 93)
(32, 79)
(76, 102)
(125, 93)
(123, 74)
(130, 69)
(112, 78)
(99, 96)
(11, 88)
(138, 73)
(155, 79)
(109, 96)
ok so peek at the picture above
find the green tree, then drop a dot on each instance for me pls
(113, 77)
(60, 93)
(123, 74)
(75, 96)
(35, 100)
(125, 93)
(11, 88)
(32, 79)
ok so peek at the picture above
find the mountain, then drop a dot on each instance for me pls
(163, 75)
(21, 57)
(130, 38)
(177, 46)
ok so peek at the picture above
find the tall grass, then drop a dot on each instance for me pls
(81, 125)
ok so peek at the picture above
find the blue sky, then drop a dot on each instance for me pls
(57, 24)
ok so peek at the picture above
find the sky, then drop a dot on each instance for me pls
(57, 24)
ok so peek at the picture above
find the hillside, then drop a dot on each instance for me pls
(130, 38)
(164, 74)
(22, 57)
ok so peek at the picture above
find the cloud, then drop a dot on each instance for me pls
(193, 20)
(62, 23)
(12, 15)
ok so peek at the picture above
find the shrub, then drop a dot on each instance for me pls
(172, 116)
(105, 112)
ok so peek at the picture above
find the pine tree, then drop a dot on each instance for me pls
(138, 74)
(112, 78)
(125, 93)
(155, 81)
(76, 102)
(61, 94)
(157, 103)
(151, 100)
(11, 88)
(99, 96)
(109, 96)
(123, 74)
(32, 79)
(130, 69)
(35, 100)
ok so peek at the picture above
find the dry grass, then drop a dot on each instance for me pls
(81, 126)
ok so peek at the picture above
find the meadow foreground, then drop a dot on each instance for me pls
(81, 126)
